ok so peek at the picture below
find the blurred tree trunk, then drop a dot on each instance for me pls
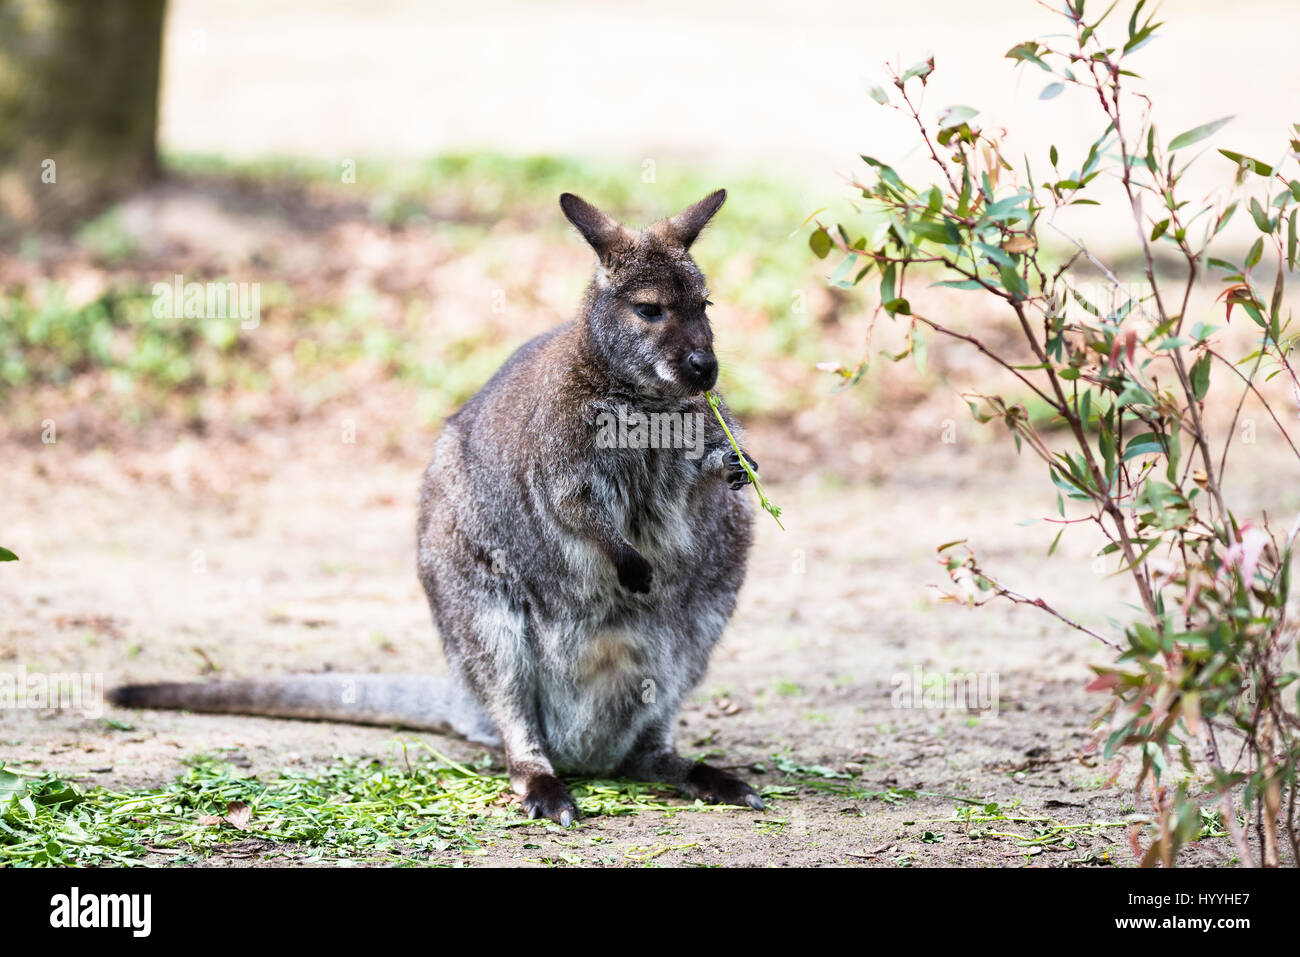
(78, 104)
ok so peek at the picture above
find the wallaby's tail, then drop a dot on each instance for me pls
(420, 702)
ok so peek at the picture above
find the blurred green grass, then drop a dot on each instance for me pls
(755, 254)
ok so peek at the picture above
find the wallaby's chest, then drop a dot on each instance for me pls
(654, 496)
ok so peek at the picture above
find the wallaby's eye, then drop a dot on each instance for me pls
(649, 310)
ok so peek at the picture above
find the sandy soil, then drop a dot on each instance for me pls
(295, 552)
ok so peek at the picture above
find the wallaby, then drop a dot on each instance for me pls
(578, 584)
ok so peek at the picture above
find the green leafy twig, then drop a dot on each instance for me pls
(768, 506)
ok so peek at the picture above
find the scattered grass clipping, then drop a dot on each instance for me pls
(417, 810)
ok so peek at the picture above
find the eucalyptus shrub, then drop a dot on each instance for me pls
(1199, 688)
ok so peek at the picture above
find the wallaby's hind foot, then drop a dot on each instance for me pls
(542, 794)
(656, 760)
(547, 797)
(714, 786)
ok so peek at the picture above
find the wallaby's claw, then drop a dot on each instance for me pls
(733, 460)
(547, 797)
(736, 475)
(720, 787)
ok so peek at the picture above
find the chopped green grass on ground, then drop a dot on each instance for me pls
(423, 809)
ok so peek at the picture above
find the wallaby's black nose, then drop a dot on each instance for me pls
(703, 364)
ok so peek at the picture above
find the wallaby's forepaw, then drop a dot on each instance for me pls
(719, 787)
(547, 797)
(634, 572)
(736, 475)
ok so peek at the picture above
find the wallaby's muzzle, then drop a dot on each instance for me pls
(700, 370)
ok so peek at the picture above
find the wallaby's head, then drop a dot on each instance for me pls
(646, 309)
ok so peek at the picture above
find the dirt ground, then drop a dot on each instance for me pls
(295, 552)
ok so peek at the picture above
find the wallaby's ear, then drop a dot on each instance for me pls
(603, 233)
(686, 225)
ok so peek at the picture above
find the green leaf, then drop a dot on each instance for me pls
(920, 70)
(995, 255)
(840, 278)
(1197, 134)
(898, 307)
(1027, 52)
(918, 344)
(1262, 222)
(1146, 444)
(1051, 91)
(12, 787)
(1140, 38)
(1133, 18)
(1291, 241)
(887, 280)
(944, 233)
(1200, 376)
(1159, 229)
(820, 243)
(7, 556)
(1246, 162)
(879, 95)
(1009, 209)
(956, 116)
(1012, 281)
(886, 172)
(1175, 455)
(1256, 253)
